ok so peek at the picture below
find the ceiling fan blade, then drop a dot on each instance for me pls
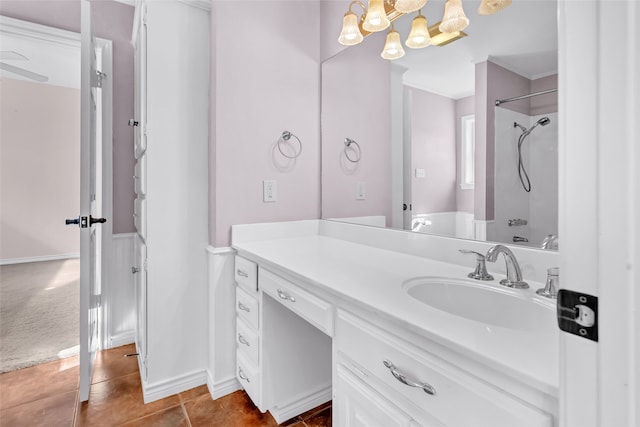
(7, 55)
(25, 73)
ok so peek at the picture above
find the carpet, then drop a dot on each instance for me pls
(39, 312)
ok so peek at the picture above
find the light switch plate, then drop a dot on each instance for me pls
(269, 191)
(360, 191)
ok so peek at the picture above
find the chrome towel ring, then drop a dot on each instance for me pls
(357, 153)
(286, 137)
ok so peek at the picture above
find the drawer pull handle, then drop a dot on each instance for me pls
(243, 376)
(285, 296)
(404, 380)
(242, 273)
(242, 340)
(243, 307)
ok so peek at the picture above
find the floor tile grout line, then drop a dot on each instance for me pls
(75, 408)
(151, 414)
(184, 410)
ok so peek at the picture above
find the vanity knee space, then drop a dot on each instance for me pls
(283, 352)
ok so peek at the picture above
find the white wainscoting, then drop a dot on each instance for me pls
(221, 378)
(119, 294)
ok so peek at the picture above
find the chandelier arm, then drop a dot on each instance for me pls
(358, 2)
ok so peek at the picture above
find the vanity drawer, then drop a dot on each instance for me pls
(247, 340)
(459, 399)
(318, 312)
(247, 308)
(248, 376)
(246, 274)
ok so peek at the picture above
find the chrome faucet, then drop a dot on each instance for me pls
(480, 273)
(550, 242)
(514, 275)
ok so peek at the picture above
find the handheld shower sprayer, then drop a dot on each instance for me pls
(522, 172)
(543, 121)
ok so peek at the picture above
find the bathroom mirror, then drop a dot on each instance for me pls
(433, 141)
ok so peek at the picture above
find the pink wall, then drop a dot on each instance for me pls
(433, 148)
(40, 127)
(265, 80)
(356, 103)
(113, 21)
(331, 14)
(548, 103)
(464, 198)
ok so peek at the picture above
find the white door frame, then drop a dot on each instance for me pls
(599, 103)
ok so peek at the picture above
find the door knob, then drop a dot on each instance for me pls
(93, 220)
(82, 221)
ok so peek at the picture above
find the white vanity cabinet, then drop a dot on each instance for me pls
(302, 341)
(429, 388)
(283, 352)
(357, 404)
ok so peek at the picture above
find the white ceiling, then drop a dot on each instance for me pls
(49, 51)
(522, 38)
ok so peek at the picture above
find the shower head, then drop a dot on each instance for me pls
(544, 121)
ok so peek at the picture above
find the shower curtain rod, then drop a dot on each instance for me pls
(500, 101)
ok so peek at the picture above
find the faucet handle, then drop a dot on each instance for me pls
(479, 256)
(480, 273)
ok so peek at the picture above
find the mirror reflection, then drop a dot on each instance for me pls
(433, 139)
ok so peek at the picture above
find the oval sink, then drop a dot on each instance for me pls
(483, 302)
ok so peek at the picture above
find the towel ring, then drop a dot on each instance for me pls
(358, 152)
(285, 137)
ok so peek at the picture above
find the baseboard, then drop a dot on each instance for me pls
(222, 388)
(157, 391)
(297, 407)
(39, 258)
(123, 338)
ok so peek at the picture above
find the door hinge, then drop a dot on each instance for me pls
(96, 79)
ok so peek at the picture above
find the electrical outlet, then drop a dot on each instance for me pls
(269, 191)
(420, 173)
(360, 190)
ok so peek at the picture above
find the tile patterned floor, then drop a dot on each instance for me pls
(47, 395)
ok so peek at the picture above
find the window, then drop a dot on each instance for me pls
(467, 150)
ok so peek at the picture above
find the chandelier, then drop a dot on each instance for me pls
(380, 14)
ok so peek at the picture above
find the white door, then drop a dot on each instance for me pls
(599, 65)
(90, 203)
(140, 147)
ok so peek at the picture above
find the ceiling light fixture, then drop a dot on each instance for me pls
(438, 38)
(376, 18)
(392, 47)
(350, 34)
(408, 6)
(489, 7)
(419, 36)
(381, 13)
(454, 19)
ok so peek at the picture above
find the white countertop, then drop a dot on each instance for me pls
(373, 277)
